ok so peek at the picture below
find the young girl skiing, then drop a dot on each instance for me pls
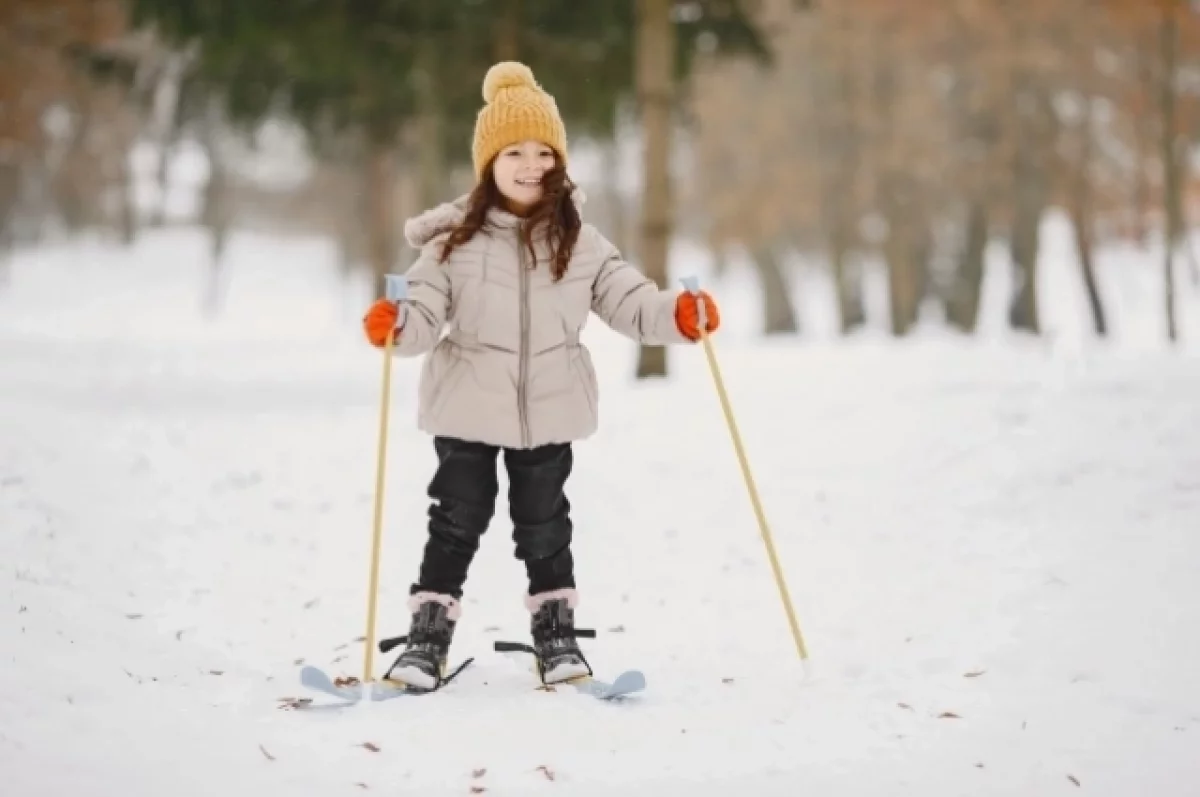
(513, 272)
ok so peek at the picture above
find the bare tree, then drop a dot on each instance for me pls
(655, 91)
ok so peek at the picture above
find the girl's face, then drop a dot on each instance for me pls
(518, 171)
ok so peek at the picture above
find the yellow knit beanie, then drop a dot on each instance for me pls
(516, 109)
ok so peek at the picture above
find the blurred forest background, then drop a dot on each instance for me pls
(840, 133)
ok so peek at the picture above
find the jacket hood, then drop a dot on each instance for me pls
(427, 225)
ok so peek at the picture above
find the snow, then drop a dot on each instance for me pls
(1003, 529)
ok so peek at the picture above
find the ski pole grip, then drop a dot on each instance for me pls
(395, 287)
(396, 290)
(692, 286)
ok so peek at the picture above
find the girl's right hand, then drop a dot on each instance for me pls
(380, 321)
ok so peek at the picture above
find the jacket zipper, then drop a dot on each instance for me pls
(523, 356)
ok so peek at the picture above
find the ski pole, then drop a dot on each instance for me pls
(692, 285)
(396, 288)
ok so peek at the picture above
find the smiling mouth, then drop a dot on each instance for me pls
(529, 182)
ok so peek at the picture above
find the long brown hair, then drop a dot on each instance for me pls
(556, 210)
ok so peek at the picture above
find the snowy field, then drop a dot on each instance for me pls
(992, 547)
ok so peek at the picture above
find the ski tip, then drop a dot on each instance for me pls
(629, 681)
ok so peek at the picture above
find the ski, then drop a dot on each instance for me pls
(626, 683)
(351, 690)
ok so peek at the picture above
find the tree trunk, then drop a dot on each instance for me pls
(215, 210)
(847, 283)
(508, 32)
(1141, 187)
(1172, 166)
(1081, 218)
(611, 164)
(431, 157)
(904, 251)
(962, 308)
(9, 200)
(381, 214)
(655, 60)
(1026, 239)
(1031, 190)
(778, 314)
(838, 156)
(129, 221)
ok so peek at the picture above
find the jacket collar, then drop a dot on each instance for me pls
(427, 225)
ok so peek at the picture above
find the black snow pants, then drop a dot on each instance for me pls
(463, 496)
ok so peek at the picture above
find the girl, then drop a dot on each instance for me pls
(513, 272)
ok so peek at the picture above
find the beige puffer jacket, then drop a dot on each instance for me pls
(511, 371)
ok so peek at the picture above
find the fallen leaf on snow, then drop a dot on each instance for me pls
(133, 616)
(345, 680)
(487, 628)
(264, 752)
(361, 785)
(216, 672)
(726, 680)
(545, 770)
(974, 674)
(477, 790)
(374, 748)
(617, 629)
(979, 765)
(479, 773)
(948, 715)
(294, 702)
(905, 705)
(1073, 779)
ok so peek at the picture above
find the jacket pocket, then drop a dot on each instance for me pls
(581, 364)
(573, 296)
(468, 294)
(445, 369)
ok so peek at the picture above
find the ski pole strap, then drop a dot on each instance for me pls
(386, 645)
(501, 646)
(692, 286)
(396, 291)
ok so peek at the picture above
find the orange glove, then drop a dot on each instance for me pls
(380, 321)
(687, 314)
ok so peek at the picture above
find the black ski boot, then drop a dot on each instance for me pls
(423, 662)
(558, 655)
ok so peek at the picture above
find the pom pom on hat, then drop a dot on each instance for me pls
(516, 109)
(507, 75)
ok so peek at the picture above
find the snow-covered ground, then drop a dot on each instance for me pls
(991, 545)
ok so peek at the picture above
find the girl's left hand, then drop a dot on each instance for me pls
(687, 314)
